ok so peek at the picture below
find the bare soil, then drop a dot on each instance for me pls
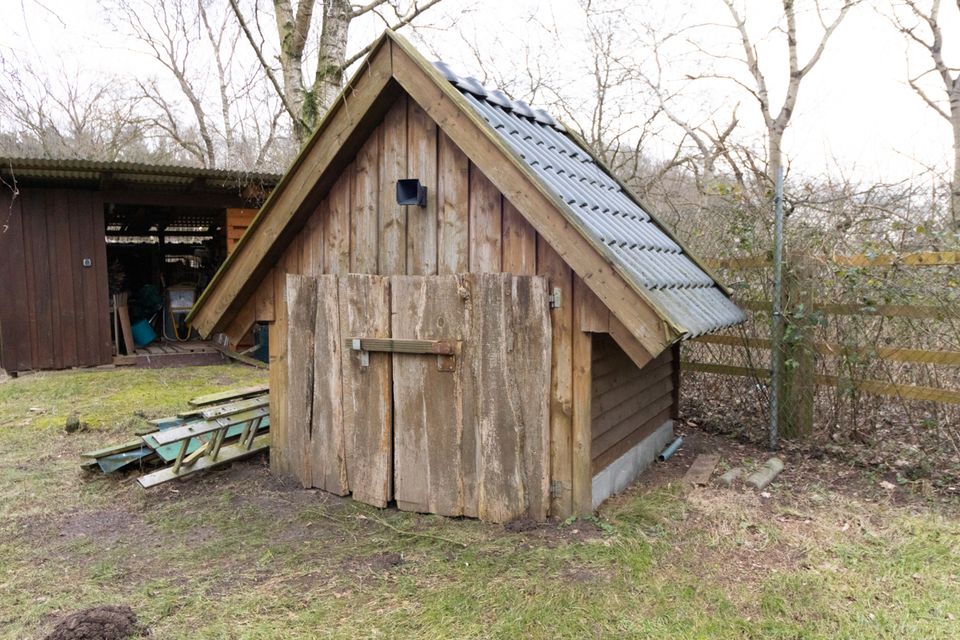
(105, 622)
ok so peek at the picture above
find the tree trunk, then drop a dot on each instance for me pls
(291, 63)
(774, 157)
(330, 60)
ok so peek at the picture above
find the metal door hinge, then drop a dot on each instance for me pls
(555, 298)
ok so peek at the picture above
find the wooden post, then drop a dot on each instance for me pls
(582, 395)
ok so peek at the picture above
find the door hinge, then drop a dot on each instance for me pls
(555, 298)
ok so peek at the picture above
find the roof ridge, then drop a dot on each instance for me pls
(497, 97)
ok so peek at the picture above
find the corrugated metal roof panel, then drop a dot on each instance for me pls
(607, 215)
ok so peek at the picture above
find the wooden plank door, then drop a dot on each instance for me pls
(473, 441)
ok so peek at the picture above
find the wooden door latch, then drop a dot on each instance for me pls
(445, 350)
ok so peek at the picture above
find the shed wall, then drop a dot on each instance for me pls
(55, 311)
(628, 403)
(467, 226)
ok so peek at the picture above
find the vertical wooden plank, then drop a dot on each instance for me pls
(277, 335)
(312, 258)
(265, 311)
(485, 224)
(64, 275)
(594, 315)
(14, 341)
(519, 242)
(85, 346)
(336, 232)
(428, 423)
(327, 439)
(88, 275)
(54, 283)
(582, 396)
(367, 391)
(453, 231)
(43, 292)
(102, 276)
(279, 379)
(365, 227)
(529, 358)
(422, 164)
(301, 295)
(34, 205)
(393, 166)
(558, 274)
(514, 360)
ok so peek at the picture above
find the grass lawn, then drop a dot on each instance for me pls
(237, 553)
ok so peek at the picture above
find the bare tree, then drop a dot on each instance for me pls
(306, 100)
(776, 120)
(923, 26)
(62, 113)
(237, 124)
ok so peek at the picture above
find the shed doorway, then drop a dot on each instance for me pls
(428, 391)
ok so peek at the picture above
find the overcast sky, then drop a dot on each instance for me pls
(856, 113)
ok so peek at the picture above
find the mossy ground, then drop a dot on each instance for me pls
(238, 553)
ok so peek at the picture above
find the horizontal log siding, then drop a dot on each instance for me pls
(628, 403)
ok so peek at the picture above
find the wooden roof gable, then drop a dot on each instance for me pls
(394, 67)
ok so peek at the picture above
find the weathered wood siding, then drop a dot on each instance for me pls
(467, 226)
(628, 403)
(54, 312)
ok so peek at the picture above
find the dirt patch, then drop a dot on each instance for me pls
(384, 561)
(553, 532)
(99, 623)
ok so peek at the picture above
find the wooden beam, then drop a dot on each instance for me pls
(582, 397)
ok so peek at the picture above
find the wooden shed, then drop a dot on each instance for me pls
(502, 346)
(68, 226)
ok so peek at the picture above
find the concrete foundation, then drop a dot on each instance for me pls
(625, 469)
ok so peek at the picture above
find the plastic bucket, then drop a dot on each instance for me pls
(143, 333)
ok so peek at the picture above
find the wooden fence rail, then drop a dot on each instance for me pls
(800, 285)
(875, 387)
(912, 259)
(893, 354)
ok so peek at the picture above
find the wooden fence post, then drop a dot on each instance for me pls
(798, 391)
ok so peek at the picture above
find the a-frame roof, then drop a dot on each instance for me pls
(653, 286)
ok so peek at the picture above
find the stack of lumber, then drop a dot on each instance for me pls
(220, 428)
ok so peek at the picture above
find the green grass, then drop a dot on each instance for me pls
(240, 554)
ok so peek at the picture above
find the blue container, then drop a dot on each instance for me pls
(143, 333)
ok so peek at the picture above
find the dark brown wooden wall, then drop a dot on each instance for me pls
(628, 403)
(54, 312)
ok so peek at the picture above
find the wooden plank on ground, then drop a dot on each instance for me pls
(223, 396)
(301, 294)
(367, 403)
(428, 421)
(453, 170)
(702, 468)
(327, 448)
